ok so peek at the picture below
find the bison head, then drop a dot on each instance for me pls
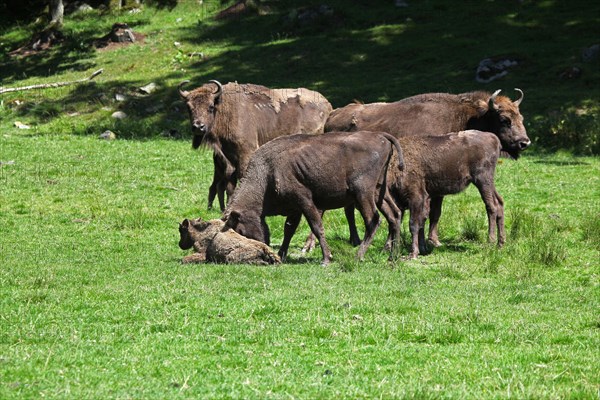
(202, 104)
(185, 237)
(501, 116)
(248, 224)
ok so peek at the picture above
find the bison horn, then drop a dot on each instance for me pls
(219, 91)
(520, 99)
(183, 93)
(491, 104)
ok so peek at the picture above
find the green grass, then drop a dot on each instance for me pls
(95, 304)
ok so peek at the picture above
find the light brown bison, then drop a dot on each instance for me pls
(213, 242)
(305, 174)
(437, 114)
(236, 119)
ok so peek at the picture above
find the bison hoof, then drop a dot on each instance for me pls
(434, 242)
(282, 256)
(308, 248)
(355, 242)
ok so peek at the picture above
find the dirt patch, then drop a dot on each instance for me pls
(39, 42)
(120, 35)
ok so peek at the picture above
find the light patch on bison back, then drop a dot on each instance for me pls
(275, 98)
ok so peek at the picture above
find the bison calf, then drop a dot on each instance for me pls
(213, 242)
(304, 174)
(441, 165)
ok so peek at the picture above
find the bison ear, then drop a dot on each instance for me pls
(481, 107)
(185, 223)
(232, 219)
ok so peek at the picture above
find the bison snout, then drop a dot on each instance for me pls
(523, 144)
(199, 126)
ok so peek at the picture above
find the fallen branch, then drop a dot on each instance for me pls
(51, 85)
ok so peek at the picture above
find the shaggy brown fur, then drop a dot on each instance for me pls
(243, 117)
(213, 242)
(459, 159)
(438, 114)
(305, 174)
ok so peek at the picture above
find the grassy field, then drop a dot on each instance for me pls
(94, 302)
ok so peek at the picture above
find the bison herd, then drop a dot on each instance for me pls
(289, 153)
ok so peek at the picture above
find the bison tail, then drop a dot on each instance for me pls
(396, 144)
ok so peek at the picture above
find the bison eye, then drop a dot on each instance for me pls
(211, 109)
(505, 121)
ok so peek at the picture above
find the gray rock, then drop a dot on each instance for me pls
(119, 115)
(120, 97)
(84, 8)
(107, 135)
(490, 69)
(149, 88)
(21, 125)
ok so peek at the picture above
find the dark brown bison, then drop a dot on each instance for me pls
(458, 159)
(438, 114)
(236, 119)
(304, 174)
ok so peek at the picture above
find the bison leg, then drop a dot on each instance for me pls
(313, 217)
(393, 216)
(212, 191)
(494, 206)
(354, 238)
(291, 224)
(434, 216)
(221, 187)
(418, 214)
(309, 243)
(368, 210)
(500, 219)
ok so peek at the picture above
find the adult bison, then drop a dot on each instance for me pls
(305, 174)
(438, 114)
(236, 119)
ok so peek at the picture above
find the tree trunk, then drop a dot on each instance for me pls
(57, 11)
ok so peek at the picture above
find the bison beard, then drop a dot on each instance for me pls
(196, 141)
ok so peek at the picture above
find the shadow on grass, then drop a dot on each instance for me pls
(371, 51)
(560, 163)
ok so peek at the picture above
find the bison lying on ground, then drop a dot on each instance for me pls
(303, 175)
(215, 243)
(441, 165)
(235, 119)
(438, 114)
